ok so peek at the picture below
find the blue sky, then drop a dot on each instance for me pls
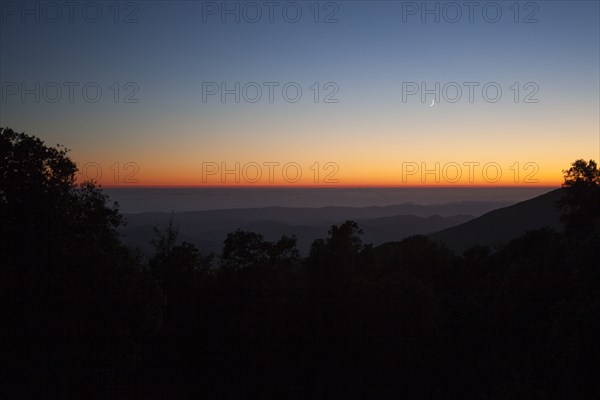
(170, 52)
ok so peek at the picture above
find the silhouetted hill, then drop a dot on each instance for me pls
(381, 230)
(499, 226)
(329, 215)
(208, 229)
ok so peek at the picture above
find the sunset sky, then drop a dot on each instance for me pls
(177, 133)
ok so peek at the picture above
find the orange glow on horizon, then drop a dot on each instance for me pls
(356, 173)
(549, 187)
(429, 182)
(147, 181)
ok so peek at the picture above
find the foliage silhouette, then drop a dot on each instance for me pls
(87, 318)
(580, 205)
(79, 303)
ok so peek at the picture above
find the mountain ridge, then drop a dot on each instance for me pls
(497, 227)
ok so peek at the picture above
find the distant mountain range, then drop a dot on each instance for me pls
(208, 229)
(458, 225)
(499, 226)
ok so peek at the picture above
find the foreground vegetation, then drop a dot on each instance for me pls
(85, 317)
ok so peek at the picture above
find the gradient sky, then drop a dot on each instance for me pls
(370, 133)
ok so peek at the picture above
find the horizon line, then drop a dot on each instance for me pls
(329, 187)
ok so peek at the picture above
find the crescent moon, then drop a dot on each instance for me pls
(432, 103)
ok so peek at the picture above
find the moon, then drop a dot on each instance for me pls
(432, 103)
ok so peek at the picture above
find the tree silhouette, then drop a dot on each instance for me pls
(342, 246)
(176, 265)
(580, 205)
(243, 249)
(82, 314)
(79, 303)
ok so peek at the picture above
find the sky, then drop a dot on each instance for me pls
(306, 93)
